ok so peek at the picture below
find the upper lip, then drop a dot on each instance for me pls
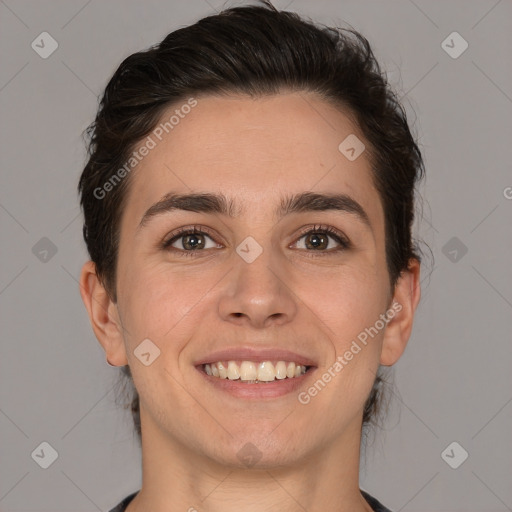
(255, 354)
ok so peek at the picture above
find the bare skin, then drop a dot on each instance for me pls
(311, 301)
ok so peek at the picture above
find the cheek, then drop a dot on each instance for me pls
(156, 301)
(350, 304)
(347, 301)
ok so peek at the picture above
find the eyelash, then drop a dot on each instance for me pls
(202, 230)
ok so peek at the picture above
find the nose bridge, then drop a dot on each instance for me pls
(257, 292)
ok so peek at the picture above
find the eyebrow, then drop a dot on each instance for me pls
(220, 204)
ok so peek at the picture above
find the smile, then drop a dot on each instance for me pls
(251, 372)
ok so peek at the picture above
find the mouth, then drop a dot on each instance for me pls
(251, 374)
(254, 372)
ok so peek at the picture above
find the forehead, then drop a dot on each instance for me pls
(253, 150)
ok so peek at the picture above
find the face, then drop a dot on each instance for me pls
(278, 281)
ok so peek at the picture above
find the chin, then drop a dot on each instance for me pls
(259, 450)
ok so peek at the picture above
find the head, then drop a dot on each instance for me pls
(202, 113)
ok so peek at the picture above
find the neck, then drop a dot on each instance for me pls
(173, 474)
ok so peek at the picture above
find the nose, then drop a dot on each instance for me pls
(258, 294)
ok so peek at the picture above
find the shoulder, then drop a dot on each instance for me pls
(376, 505)
(121, 507)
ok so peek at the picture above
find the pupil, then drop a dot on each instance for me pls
(319, 240)
(194, 245)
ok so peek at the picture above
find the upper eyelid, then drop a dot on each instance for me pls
(330, 230)
(175, 234)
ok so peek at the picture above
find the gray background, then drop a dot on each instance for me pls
(454, 381)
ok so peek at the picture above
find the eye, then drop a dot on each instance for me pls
(318, 239)
(189, 240)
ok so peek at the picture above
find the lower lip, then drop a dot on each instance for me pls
(258, 391)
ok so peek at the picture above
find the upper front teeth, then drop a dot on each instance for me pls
(266, 371)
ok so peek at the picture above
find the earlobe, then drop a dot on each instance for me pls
(405, 301)
(102, 315)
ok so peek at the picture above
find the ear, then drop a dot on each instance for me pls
(103, 315)
(405, 300)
